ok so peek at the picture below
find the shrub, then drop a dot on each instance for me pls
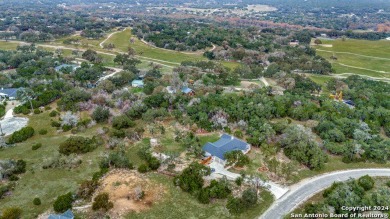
(21, 109)
(78, 145)
(53, 113)
(97, 175)
(87, 188)
(66, 128)
(13, 178)
(55, 124)
(118, 133)
(388, 183)
(366, 182)
(63, 203)
(11, 213)
(239, 181)
(20, 167)
(4, 189)
(37, 111)
(37, 201)
(21, 135)
(249, 197)
(102, 202)
(117, 159)
(42, 131)
(47, 108)
(153, 163)
(36, 146)
(235, 206)
(204, 196)
(143, 168)
(120, 122)
(101, 114)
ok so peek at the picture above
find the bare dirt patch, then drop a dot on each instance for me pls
(121, 185)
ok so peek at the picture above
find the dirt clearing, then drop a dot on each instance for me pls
(124, 189)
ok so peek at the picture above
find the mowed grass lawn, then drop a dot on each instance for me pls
(121, 41)
(363, 57)
(46, 184)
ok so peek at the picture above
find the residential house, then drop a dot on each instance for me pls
(137, 83)
(188, 91)
(184, 90)
(226, 143)
(66, 66)
(8, 93)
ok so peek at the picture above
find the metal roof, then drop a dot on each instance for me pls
(225, 144)
(10, 92)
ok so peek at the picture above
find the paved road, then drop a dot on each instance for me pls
(304, 190)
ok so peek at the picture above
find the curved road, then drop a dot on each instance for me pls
(302, 191)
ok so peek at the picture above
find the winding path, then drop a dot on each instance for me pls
(108, 37)
(304, 190)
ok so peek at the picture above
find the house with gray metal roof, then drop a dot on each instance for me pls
(225, 144)
(8, 93)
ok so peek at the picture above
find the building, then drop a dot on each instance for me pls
(188, 91)
(66, 66)
(225, 144)
(137, 83)
(66, 215)
(294, 43)
(8, 93)
(184, 90)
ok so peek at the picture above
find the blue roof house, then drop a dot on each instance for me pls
(225, 144)
(8, 93)
(137, 83)
(66, 215)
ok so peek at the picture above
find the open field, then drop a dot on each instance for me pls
(362, 57)
(46, 184)
(121, 41)
(8, 45)
(178, 205)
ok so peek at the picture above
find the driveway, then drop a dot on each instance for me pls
(220, 171)
(10, 124)
(302, 191)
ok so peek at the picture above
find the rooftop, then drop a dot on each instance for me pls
(10, 92)
(225, 144)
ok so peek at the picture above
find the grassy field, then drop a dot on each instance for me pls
(8, 45)
(46, 184)
(121, 41)
(362, 57)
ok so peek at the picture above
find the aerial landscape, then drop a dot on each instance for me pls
(269, 109)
